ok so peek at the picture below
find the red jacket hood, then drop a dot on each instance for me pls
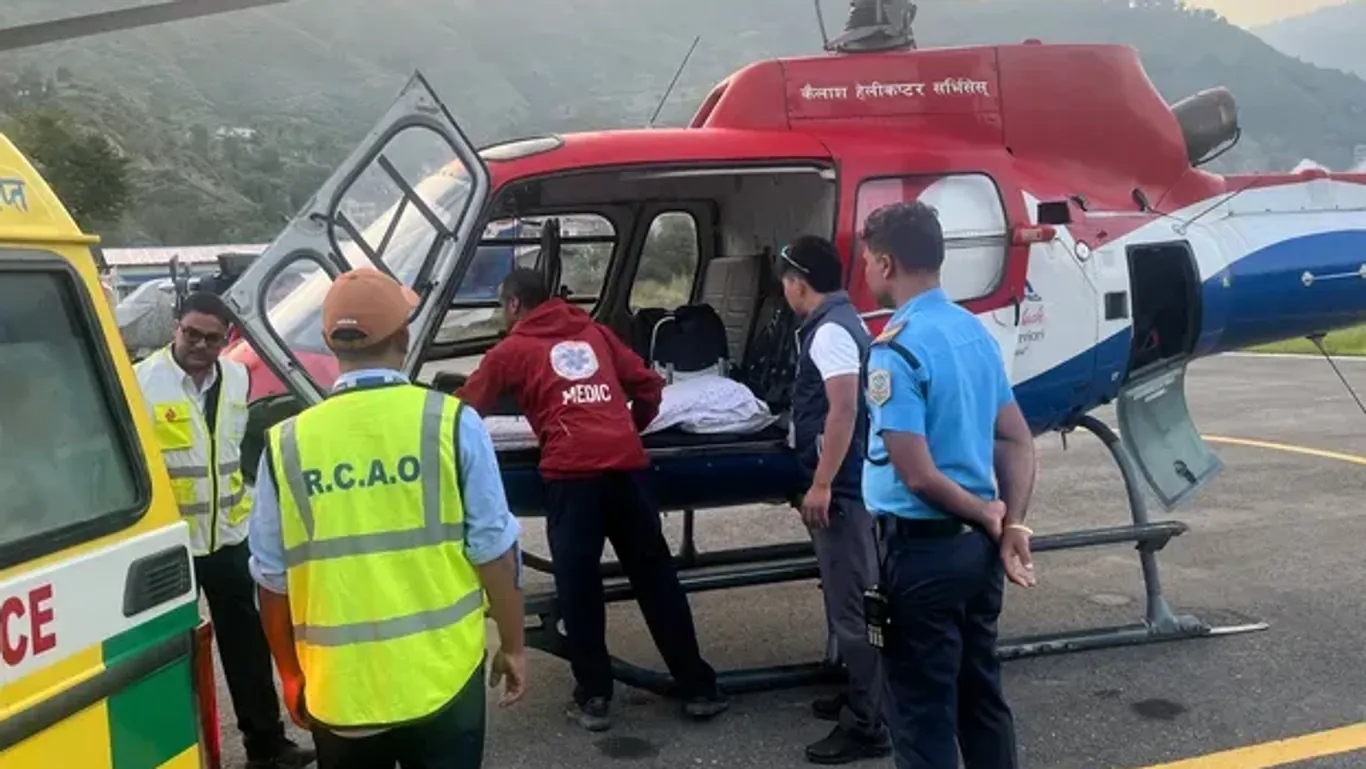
(555, 318)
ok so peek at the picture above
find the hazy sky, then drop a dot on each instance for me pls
(1249, 13)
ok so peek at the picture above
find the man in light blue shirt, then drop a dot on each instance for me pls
(943, 428)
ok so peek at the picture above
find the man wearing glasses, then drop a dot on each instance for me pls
(198, 406)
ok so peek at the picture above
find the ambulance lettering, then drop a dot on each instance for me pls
(12, 194)
(26, 626)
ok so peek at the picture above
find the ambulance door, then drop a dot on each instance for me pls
(406, 202)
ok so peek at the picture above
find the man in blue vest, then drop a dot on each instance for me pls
(944, 432)
(826, 418)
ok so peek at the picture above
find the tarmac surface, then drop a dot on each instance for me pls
(1278, 536)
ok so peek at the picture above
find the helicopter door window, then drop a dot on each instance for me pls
(668, 263)
(586, 246)
(585, 243)
(393, 216)
(972, 216)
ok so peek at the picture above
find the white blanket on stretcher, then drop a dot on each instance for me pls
(708, 404)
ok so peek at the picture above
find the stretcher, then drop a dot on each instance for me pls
(713, 444)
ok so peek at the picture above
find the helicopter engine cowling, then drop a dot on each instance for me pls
(1208, 119)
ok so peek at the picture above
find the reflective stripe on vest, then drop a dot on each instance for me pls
(217, 504)
(387, 609)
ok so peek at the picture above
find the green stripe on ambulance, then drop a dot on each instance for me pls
(149, 723)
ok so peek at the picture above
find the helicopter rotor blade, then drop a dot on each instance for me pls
(73, 27)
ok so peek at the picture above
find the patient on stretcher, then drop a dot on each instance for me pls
(707, 404)
(688, 347)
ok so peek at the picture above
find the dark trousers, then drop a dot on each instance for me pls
(580, 515)
(944, 681)
(226, 581)
(847, 552)
(453, 738)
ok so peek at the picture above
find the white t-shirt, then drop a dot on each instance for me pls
(834, 351)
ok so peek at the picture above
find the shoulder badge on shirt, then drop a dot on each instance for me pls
(879, 386)
(889, 333)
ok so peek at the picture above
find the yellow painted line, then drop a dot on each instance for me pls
(1280, 752)
(1355, 459)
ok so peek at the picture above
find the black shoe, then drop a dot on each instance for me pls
(288, 756)
(704, 707)
(592, 715)
(828, 708)
(842, 747)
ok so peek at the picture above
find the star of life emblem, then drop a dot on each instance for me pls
(573, 360)
(879, 386)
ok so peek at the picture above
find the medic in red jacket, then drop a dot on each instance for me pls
(586, 394)
(573, 379)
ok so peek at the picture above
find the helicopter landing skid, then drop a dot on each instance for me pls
(792, 562)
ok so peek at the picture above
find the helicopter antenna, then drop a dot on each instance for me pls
(1317, 339)
(820, 20)
(660, 107)
(125, 18)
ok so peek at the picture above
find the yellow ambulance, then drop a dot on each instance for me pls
(104, 661)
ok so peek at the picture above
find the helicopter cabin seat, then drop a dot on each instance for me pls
(731, 286)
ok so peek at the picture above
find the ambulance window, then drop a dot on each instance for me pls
(973, 219)
(668, 262)
(69, 470)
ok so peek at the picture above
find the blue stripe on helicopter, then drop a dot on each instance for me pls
(1266, 299)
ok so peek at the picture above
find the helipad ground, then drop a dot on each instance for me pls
(1280, 536)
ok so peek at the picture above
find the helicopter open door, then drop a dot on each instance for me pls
(406, 201)
(1156, 428)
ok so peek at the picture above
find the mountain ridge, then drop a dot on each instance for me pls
(1328, 37)
(311, 76)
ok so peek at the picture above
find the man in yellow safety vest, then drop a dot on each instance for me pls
(198, 405)
(381, 522)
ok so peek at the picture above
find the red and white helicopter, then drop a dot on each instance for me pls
(1081, 230)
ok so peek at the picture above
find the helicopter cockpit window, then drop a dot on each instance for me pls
(394, 216)
(972, 216)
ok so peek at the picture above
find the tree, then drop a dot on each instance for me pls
(83, 168)
(670, 248)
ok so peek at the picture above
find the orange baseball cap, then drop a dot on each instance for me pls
(366, 307)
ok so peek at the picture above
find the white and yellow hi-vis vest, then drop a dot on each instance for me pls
(206, 471)
(388, 610)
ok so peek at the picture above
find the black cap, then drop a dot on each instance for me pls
(816, 260)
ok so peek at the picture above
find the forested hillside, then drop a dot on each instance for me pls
(226, 124)
(1329, 37)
